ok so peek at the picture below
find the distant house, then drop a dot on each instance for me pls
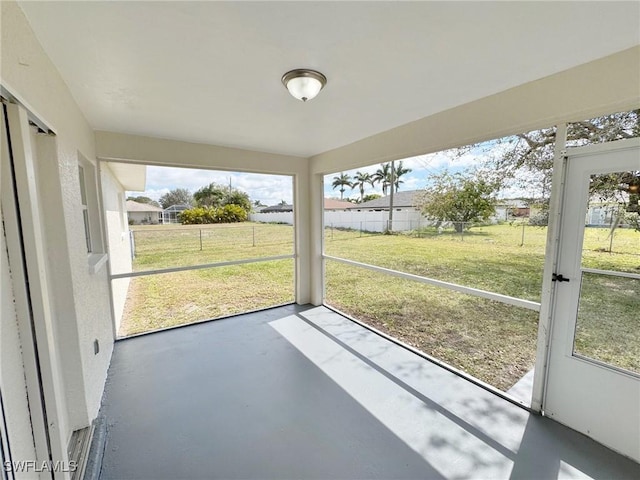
(329, 204)
(607, 213)
(401, 201)
(277, 209)
(506, 209)
(510, 208)
(143, 213)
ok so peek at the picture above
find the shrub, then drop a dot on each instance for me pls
(231, 213)
(206, 215)
(194, 216)
(539, 220)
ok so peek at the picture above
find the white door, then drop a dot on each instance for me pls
(593, 382)
(24, 431)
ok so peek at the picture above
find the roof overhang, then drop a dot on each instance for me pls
(132, 177)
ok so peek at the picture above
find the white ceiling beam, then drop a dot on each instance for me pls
(603, 86)
(163, 152)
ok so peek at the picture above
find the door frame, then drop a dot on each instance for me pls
(27, 255)
(547, 324)
(552, 248)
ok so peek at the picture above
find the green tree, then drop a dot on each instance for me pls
(460, 198)
(383, 177)
(239, 198)
(400, 171)
(216, 195)
(360, 181)
(527, 158)
(177, 196)
(370, 196)
(342, 181)
(145, 200)
(211, 195)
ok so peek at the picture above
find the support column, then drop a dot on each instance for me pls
(309, 219)
(316, 195)
(301, 212)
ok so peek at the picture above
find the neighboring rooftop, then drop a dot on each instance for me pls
(133, 206)
(329, 204)
(277, 208)
(334, 204)
(400, 200)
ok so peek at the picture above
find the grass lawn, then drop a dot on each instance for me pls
(160, 301)
(490, 340)
(489, 258)
(599, 332)
(162, 246)
(170, 299)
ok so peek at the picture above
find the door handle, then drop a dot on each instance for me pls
(558, 278)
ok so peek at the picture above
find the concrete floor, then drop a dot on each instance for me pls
(301, 393)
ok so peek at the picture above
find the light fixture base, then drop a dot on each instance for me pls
(304, 84)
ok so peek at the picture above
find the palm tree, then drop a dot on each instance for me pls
(400, 171)
(383, 176)
(344, 180)
(360, 180)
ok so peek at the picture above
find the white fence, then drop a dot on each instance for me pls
(364, 221)
(274, 217)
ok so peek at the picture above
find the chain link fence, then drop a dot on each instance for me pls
(517, 233)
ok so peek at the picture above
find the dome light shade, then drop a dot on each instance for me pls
(304, 84)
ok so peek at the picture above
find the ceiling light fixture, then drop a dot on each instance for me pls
(304, 84)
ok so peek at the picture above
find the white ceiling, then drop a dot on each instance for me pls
(210, 71)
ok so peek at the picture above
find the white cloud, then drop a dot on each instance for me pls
(269, 189)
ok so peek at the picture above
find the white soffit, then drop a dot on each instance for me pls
(132, 177)
(209, 72)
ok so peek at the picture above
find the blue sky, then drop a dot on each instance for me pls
(272, 189)
(422, 167)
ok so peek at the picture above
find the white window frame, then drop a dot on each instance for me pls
(85, 208)
(90, 209)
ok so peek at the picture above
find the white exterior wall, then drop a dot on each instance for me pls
(90, 290)
(502, 214)
(119, 245)
(144, 217)
(79, 303)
